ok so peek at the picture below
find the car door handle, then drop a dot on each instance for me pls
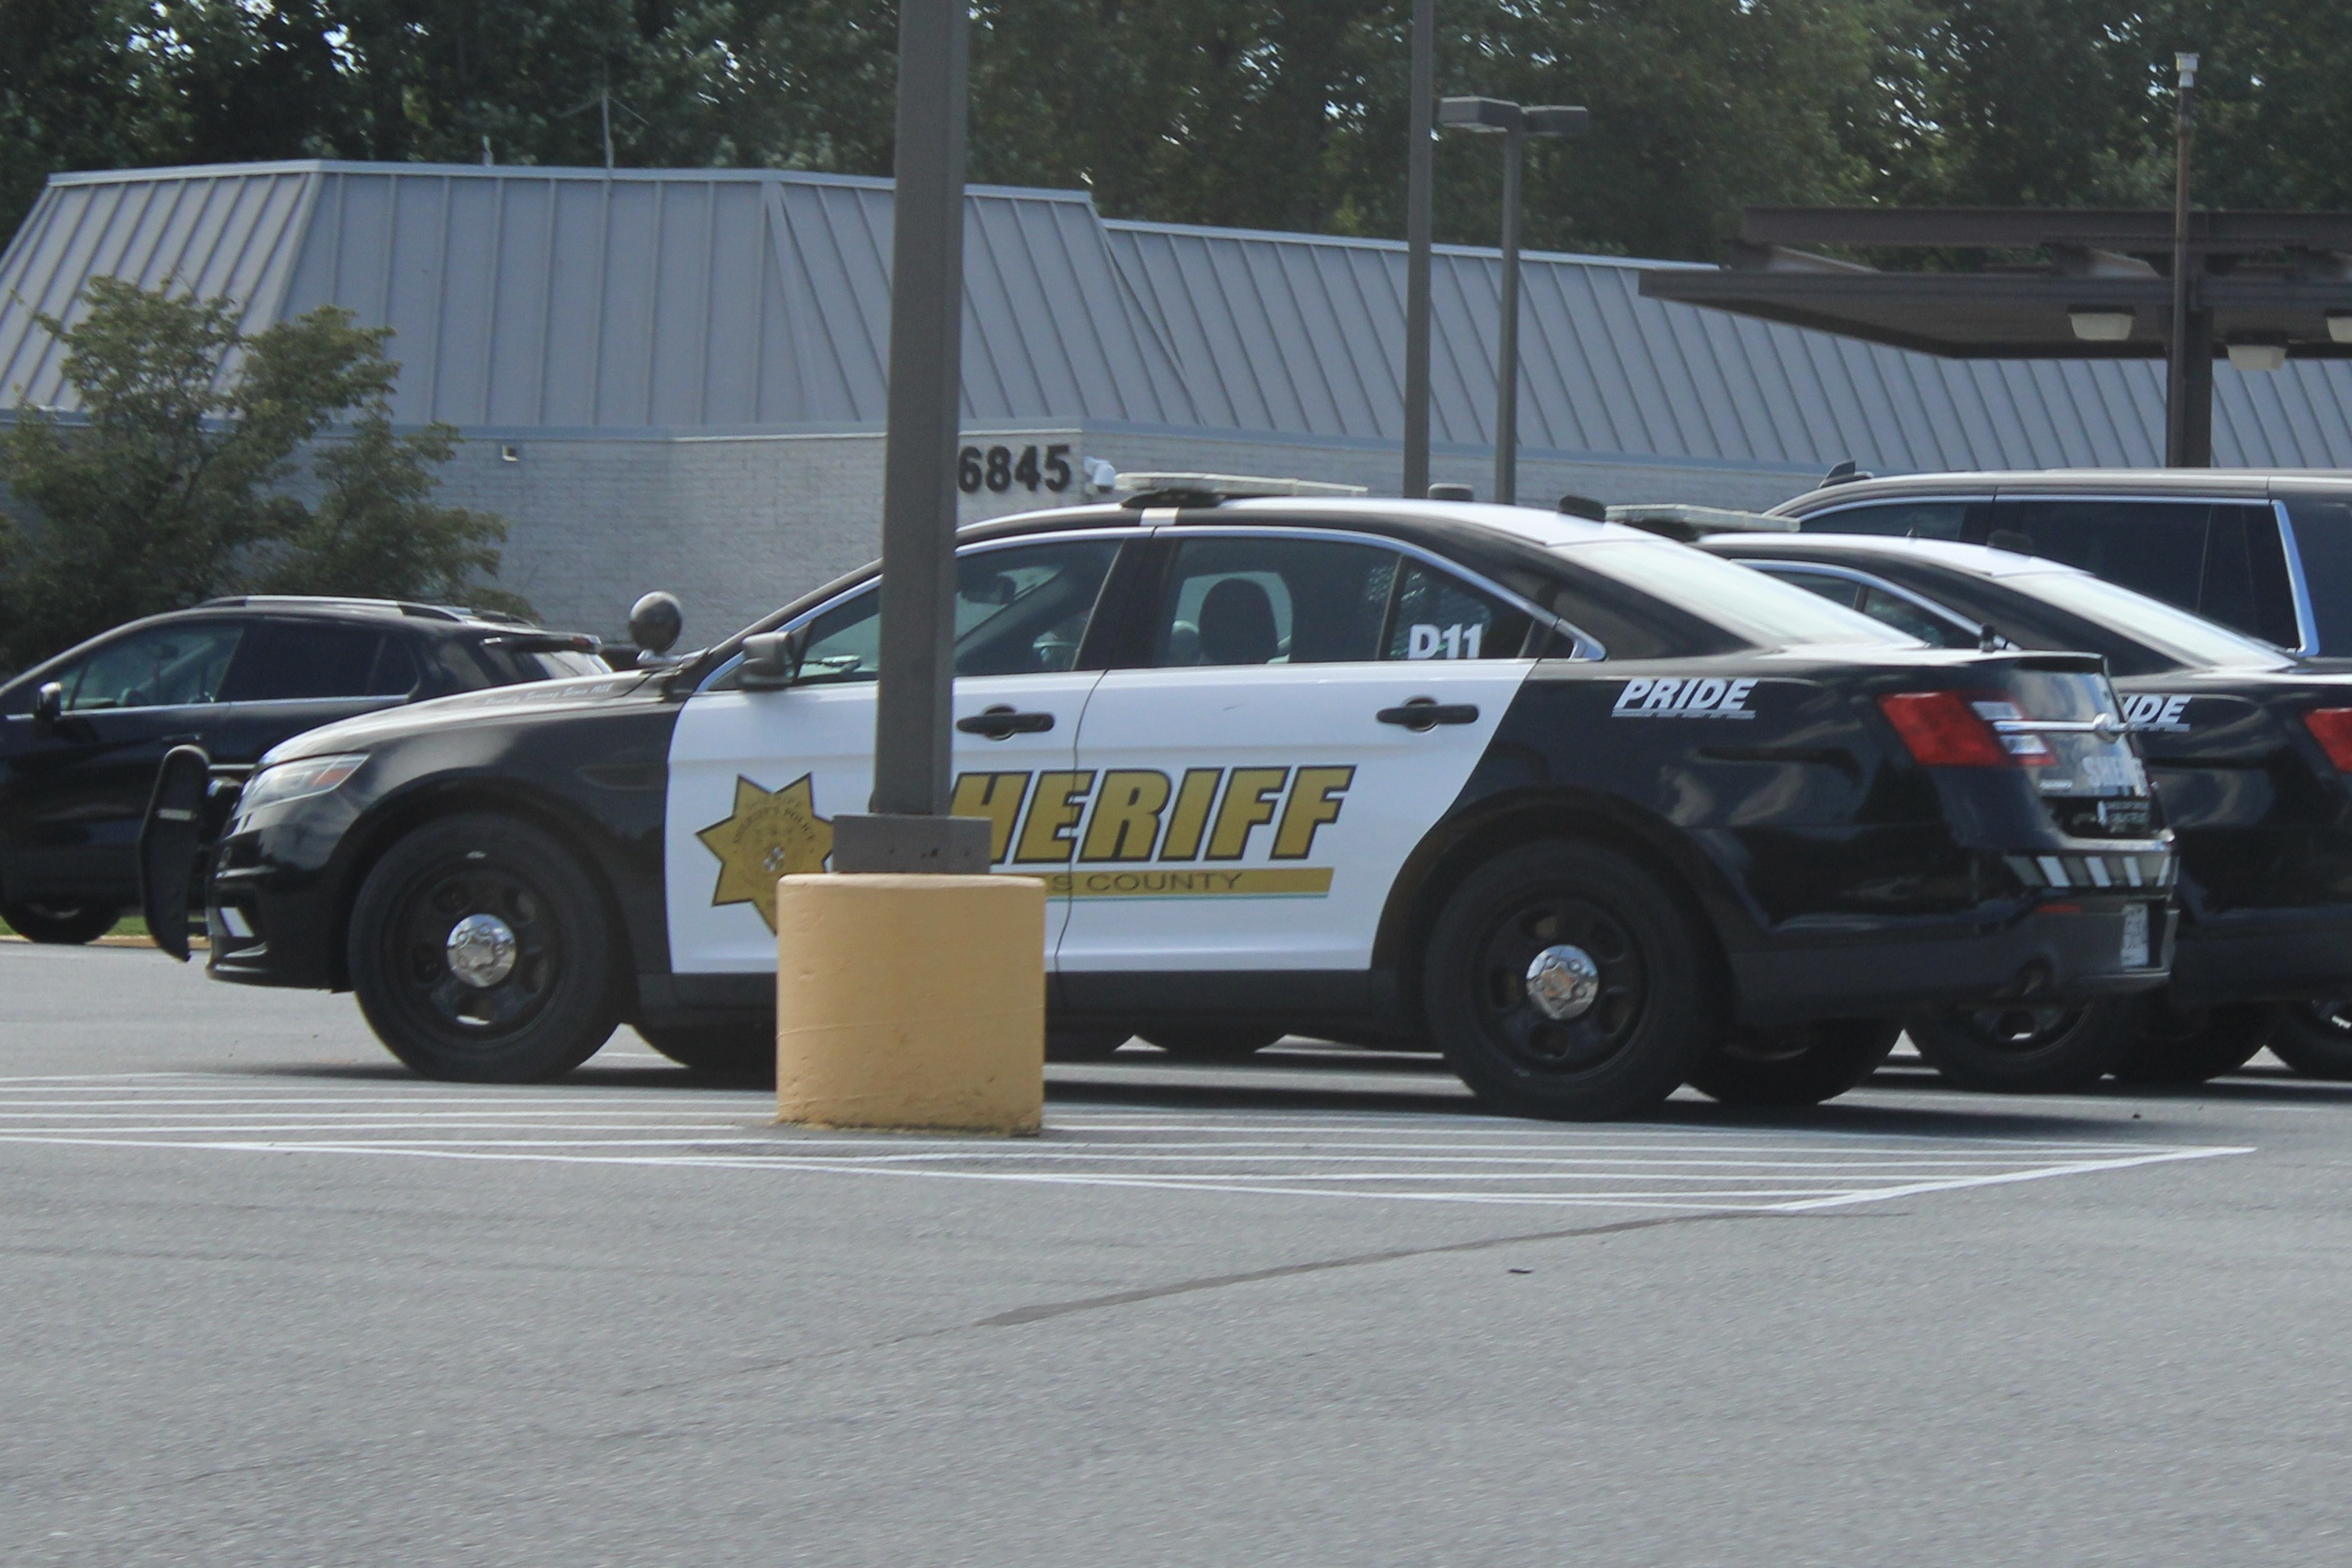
(1001, 722)
(1428, 713)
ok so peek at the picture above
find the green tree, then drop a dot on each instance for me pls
(172, 483)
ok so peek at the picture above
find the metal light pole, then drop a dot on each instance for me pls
(1516, 123)
(909, 828)
(1419, 205)
(2189, 360)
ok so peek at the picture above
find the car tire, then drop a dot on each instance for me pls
(1794, 1064)
(744, 1052)
(1648, 1008)
(1084, 1044)
(2017, 1049)
(2189, 1045)
(1212, 1043)
(547, 1011)
(2315, 1037)
(61, 925)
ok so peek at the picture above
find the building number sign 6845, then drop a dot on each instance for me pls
(998, 469)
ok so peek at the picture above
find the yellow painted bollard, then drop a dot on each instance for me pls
(911, 1001)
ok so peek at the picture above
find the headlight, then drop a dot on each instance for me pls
(296, 781)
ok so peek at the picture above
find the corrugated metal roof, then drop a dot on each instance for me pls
(758, 299)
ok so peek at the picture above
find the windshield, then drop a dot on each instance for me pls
(2187, 640)
(1760, 611)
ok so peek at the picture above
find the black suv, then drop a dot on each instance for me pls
(82, 735)
(2267, 553)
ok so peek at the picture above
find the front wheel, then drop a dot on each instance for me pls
(2022, 1049)
(1796, 1064)
(2188, 1045)
(480, 951)
(59, 923)
(1563, 981)
(2315, 1037)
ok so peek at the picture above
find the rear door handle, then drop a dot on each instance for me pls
(1001, 722)
(1428, 713)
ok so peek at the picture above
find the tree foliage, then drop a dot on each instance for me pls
(177, 481)
(1284, 113)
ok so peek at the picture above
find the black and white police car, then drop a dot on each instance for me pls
(2250, 753)
(1595, 813)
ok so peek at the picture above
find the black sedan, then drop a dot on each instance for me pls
(2250, 753)
(82, 735)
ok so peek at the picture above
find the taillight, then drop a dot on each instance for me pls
(1951, 729)
(2332, 727)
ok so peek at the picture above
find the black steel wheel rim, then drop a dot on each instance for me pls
(1499, 983)
(2332, 1014)
(419, 941)
(2020, 1030)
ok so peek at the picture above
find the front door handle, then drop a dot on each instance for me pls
(1001, 722)
(1428, 713)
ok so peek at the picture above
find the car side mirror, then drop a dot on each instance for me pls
(772, 660)
(49, 705)
(654, 622)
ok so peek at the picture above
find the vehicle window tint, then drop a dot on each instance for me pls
(314, 661)
(165, 666)
(1899, 613)
(1751, 605)
(2157, 547)
(1273, 601)
(2246, 581)
(1021, 610)
(1437, 616)
(1893, 519)
(2322, 537)
(1836, 590)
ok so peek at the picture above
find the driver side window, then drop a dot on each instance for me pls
(1022, 609)
(164, 666)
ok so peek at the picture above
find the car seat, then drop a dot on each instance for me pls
(1237, 624)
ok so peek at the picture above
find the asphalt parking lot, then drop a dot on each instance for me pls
(269, 1300)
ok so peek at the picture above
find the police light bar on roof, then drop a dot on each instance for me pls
(1211, 488)
(1677, 522)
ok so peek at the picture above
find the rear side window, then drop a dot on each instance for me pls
(1438, 616)
(1259, 600)
(1899, 519)
(2322, 537)
(287, 661)
(2224, 560)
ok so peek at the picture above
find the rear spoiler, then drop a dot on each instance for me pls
(1676, 520)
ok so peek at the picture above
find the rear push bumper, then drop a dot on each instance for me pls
(2056, 948)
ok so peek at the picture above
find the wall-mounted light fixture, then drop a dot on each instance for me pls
(2257, 353)
(2100, 323)
(509, 453)
(2339, 326)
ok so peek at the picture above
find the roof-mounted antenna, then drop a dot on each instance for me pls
(1845, 472)
(1453, 493)
(1583, 506)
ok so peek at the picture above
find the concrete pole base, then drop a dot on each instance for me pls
(907, 1001)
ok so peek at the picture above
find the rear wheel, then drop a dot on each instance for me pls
(745, 1051)
(58, 923)
(2189, 1045)
(1795, 1064)
(1563, 981)
(1212, 1043)
(2315, 1037)
(480, 951)
(2021, 1049)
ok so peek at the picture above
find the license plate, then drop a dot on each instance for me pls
(2134, 945)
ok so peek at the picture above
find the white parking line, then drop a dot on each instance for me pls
(1364, 1155)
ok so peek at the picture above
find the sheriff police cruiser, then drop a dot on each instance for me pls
(1590, 811)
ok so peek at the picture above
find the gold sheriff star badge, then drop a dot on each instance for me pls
(767, 836)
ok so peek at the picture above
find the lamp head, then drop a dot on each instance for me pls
(2185, 62)
(1556, 120)
(1479, 113)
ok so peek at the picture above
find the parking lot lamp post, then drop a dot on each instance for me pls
(908, 827)
(1419, 203)
(1516, 123)
(2189, 368)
